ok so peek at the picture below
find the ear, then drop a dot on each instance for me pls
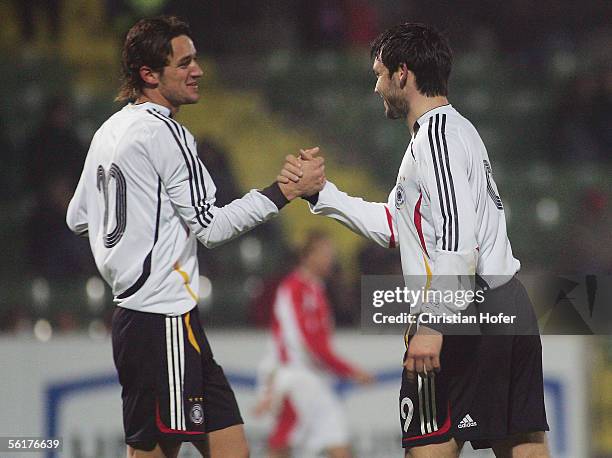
(149, 76)
(403, 74)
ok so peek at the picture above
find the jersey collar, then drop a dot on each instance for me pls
(428, 114)
(152, 106)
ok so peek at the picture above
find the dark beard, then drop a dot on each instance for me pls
(396, 111)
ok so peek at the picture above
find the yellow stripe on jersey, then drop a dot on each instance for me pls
(428, 269)
(427, 286)
(185, 276)
(190, 334)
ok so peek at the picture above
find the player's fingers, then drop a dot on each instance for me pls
(435, 362)
(291, 159)
(409, 365)
(290, 175)
(282, 179)
(294, 169)
(428, 365)
(309, 154)
(419, 366)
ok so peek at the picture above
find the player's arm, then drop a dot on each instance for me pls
(76, 216)
(315, 330)
(372, 220)
(375, 221)
(192, 191)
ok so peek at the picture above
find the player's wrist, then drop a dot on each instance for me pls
(279, 196)
(289, 192)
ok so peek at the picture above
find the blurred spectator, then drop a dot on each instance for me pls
(29, 11)
(215, 160)
(16, 319)
(7, 152)
(54, 158)
(322, 23)
(53, 251)
(54, 150)
(363, 22)
(581, 131)
(589, 239)
(345, 311)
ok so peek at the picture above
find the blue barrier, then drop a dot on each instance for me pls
(58, 392)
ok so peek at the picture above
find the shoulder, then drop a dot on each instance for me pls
(294, 283)
(444, 133)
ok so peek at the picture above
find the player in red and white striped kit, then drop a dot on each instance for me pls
(300, 367)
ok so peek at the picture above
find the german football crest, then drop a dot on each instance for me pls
(400, 196)
(197, 414)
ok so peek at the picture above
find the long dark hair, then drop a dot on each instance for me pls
(147, 43)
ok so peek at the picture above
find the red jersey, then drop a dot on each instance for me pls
(302, 326)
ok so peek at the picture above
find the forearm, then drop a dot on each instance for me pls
(371, 220)
(237, 217)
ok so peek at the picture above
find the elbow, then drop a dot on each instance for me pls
(211, 243)
(74, 226)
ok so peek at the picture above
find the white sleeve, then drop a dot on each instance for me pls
(373, 220)
(76, 216)
(192, 191)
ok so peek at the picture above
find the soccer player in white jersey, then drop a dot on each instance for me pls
(446, 215)
(144, 199)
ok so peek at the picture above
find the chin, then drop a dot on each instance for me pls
(191, 100)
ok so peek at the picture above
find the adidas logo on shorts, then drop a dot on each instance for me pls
(467, 422)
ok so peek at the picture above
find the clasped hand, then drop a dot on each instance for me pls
(302, 176)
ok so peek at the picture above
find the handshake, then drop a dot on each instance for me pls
(302, 176)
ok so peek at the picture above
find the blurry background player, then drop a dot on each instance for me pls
(296, 377)
(446, 215)
(144, 200)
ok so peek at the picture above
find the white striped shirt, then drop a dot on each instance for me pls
(444, 211)
(144, 197)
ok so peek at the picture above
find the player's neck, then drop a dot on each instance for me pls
(308, 273)
(157, 98)
(421, 105)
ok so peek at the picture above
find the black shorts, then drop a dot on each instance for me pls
(172, 388)
(489, 387)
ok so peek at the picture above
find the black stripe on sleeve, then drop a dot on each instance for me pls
(452, 186)
(166, 121)
(198, 177)
(208, 215)
(444, 172)
(435, 164)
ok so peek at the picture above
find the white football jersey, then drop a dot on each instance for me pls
(144, 199)
(444, 211)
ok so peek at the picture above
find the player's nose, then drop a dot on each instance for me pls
(197, 71)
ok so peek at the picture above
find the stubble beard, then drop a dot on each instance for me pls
(395, 112)
(396, 108)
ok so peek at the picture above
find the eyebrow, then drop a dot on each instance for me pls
(186, 59)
